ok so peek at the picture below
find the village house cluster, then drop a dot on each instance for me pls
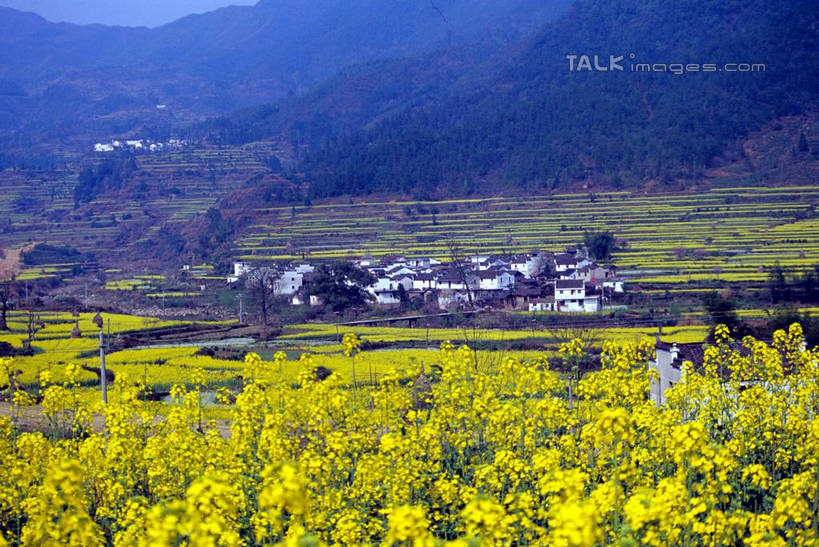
(138, 145)
(568, 281)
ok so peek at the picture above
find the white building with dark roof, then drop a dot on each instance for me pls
(495, 279)
(572, 295)
(529, 264)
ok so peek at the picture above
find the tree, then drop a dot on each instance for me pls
(599, 244)
(803, 142)
(403, 297)
(211, 232)
(778, 283)
(5, 302)
(341, 285)
(462, 273)
(107, 175)
(782, 319)
(35, 324)
(722, 311)
(260, 282)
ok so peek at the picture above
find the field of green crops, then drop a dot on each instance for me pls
(719, 237)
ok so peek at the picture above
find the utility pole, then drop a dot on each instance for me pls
(103, 374)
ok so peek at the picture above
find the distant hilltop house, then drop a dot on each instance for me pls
(138, 145)
(536, 281)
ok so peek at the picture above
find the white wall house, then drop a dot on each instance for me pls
(289, 283)
(577, 275)
(305, 268)
(571, 296)
(530, 265)
(386, 290)
(453, 281)
(616, 286)
(239, 269)
(565, 262)
(669, 368)
(404, 280)
(542, 304)
(495, 280)
(452, 298)
(386, 297)
(423, 281)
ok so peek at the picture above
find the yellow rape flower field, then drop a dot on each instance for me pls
(444, 453)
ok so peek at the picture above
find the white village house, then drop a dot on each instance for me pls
(510, 281)
(571, 296)
(495, 280)
(529, 264)
(668, 364)
(291, 280)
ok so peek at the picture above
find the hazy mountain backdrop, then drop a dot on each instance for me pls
(94, 79)
(129, 13)
(444, 97)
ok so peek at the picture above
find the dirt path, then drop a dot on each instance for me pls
(30, 418)
(10, 263)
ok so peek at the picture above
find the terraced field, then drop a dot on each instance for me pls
(39, 206)
(718, 237)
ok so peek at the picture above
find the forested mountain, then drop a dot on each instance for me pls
(365, 94)
(70, 79)
(425, 98)
(537, 125)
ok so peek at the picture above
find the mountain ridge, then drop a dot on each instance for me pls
(538, 125)
(234, 57)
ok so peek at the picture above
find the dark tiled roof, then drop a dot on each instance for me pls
(570, 283)
(453, 276)
(565, 260)
(694, 352)
(491, 273)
